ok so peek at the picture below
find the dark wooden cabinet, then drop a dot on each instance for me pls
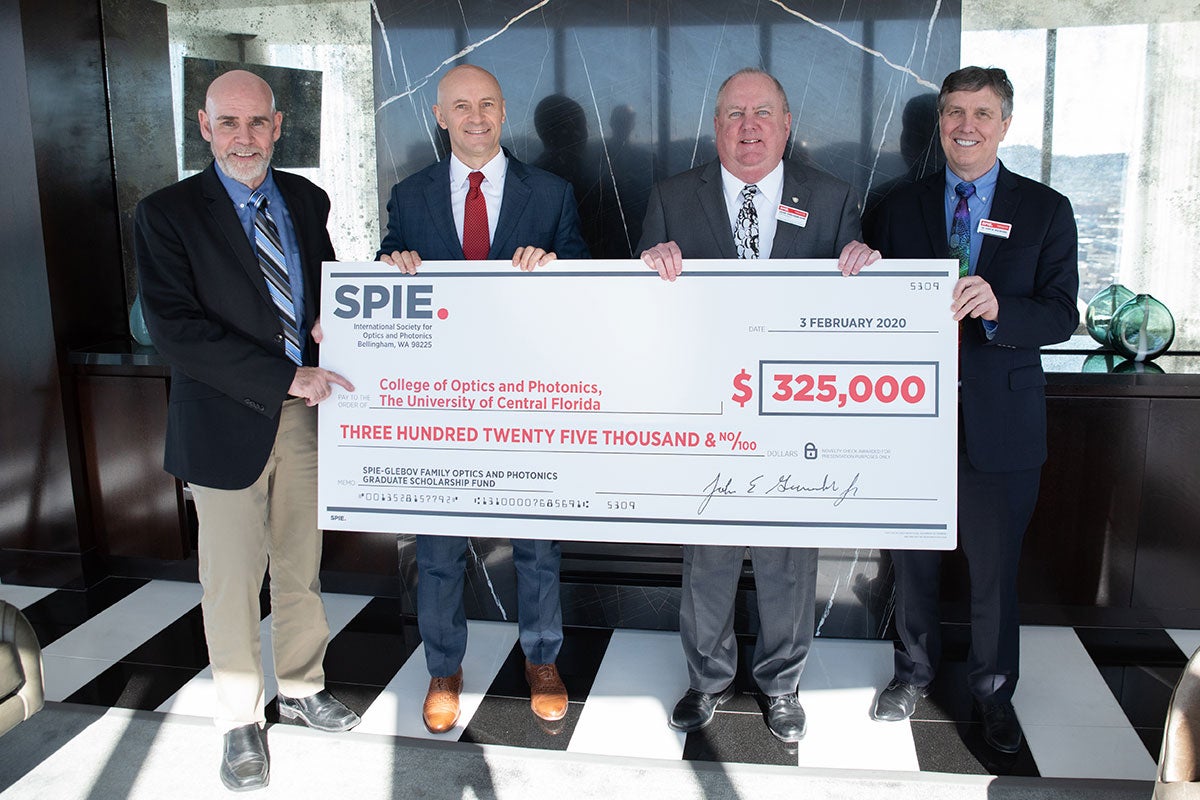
(1113, 540)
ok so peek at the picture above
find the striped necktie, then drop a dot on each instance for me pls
(274, 269)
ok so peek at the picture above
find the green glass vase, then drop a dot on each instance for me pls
(1101, 308)
(1141, 329)
(137, 323)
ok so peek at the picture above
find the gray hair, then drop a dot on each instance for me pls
(972, 79)
(751, 71)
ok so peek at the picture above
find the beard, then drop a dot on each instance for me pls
(250, 172)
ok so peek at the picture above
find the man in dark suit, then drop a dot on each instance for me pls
(229, 266)
(728, 209)
(1015, 240)
(482, 203)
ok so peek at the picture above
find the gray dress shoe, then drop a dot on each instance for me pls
(321, 711)
(245, 764)
(898, 701)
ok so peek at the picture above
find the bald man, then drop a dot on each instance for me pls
(481, 203)
(229, 269)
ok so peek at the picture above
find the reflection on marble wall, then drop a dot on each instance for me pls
(613, 96)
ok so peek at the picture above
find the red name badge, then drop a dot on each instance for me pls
(990, 227)
(791, 215)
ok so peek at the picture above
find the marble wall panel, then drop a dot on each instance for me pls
(614, 95)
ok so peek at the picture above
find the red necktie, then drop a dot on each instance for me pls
(476, 242)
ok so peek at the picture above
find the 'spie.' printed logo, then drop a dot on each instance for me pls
(391, 301)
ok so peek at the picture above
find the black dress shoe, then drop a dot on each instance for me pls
(245, 764)
(785, 717)
(898, 701)
(321, 711)
(695, 709)
(1000, 727)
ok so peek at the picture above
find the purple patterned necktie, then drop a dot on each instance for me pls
(960, 229)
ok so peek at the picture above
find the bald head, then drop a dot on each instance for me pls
(239, 83)
(466, 76)
(240, 122)
(470, 107)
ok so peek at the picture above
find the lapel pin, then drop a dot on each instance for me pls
(795, 199)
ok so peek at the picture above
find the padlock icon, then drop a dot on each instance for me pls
(810, 451)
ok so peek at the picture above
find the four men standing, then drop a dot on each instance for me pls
(229, 269)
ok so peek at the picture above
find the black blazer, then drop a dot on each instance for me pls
(1035, 276)
(689, 209)
(538, 209)
(209, 313)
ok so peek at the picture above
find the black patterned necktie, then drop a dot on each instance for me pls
(274, 268)
(745, 232)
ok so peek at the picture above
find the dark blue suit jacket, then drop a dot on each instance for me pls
(211, 317)
(1035, 276)
(538, 209)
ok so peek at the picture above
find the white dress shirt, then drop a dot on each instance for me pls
(492, 188)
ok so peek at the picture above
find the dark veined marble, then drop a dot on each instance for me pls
(616, 95)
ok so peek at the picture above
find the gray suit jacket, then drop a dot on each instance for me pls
(689, 209)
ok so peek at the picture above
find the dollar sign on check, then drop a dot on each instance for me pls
(742, 391)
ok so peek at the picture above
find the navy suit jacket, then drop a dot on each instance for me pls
(689, 209)
(538, 210)
(1035, 276)
(208, 311)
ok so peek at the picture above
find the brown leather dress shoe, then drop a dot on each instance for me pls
(547, 695)
(441, 703)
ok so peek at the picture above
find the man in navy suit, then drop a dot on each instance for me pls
(482, 203)
(1016, 243)
(242, 420)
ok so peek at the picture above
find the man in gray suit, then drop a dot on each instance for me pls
(728, 209)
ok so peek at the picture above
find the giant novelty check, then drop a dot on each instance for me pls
(773, 404)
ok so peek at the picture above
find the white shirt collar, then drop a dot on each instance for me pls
(493, 171)
(770, 187)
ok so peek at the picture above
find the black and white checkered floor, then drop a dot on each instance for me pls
(1091, 700)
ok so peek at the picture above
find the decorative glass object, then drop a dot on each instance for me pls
(1101, 309)
(1137, 367)
(1102, 362)
(1141, 329)
(137, 323)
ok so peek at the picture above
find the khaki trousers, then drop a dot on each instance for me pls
(272, 522)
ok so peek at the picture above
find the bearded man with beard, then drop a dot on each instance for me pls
(229, 271)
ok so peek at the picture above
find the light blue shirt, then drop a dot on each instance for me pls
(980, 205)
(240, 193)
